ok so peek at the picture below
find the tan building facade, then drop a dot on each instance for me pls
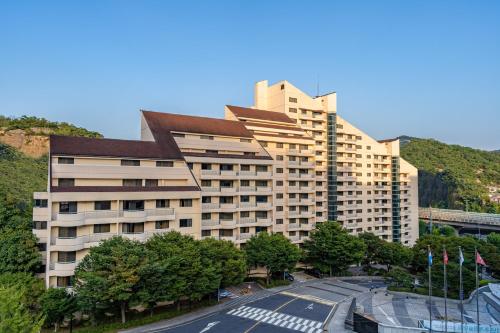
(282, 165)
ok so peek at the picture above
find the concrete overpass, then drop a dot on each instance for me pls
(464, 222)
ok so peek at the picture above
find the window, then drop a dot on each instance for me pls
(292, 110)
(206, 166)
(225, 216)
(279, 170)
(65, 160)
(245, 140)
(178, 135)
(226, 200)
(226, 167)
(249, 153)
(132, 182)
(102, 205)
(261, 215)
(186, 203)
(279, 157)
(64, 281)
(41, 203)
(279, 183)
(279, 195)
(66, 232)
(226, 183)
(245, 198)
(133, 228)
(279, 145)
(39, 225)
(151, 183)
(190, 165)
(245, 167)
(161, 225)
(66, 257)
(162, 203)
(41, 246)
(261, 183)
(206, 137)
(279, 208)
(206, 216)
(185, 223)
(206, 233)
(67, 207)
(206, 199)
(130, 162)
(261, 168)
(66, 182)
(165, 164)
(133, 205)
(206, 183)
(292, 99)
(244, 214)
(261, 198)
(279, 221)
(244, 182)
(102, 228)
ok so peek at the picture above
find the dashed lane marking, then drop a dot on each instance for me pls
(309, 298)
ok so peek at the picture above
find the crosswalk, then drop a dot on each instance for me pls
(278, 319)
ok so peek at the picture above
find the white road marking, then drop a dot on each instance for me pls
(387, 316)
(209, 326)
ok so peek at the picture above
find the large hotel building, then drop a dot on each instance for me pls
(283, 165)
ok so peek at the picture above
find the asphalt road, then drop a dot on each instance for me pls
(277, 313)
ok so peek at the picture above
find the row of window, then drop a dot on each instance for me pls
(70, 207)
(125, 162)
(231, 167)
(205, 137)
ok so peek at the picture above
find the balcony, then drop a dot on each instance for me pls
(264, 205)
(228, 238)
(228, 173)
(228, 189)
(209, 223)
(248, 204)
(244, 236)
(247, 188)
(209, 172)
(68, 243)
(210, 189)
(263, 189)
(209, 206)
(228, 206)
(149, 214)
(293, 226)
(137, 236)
(264, 221)
(246, 220)
(62, 268)
(228, 223)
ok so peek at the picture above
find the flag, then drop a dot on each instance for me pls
(445, 257)
(479, 260)
(430, 258)
(460, 257)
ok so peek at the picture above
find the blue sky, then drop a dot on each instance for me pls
(420, 68)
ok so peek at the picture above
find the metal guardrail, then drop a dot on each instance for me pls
(459, 216)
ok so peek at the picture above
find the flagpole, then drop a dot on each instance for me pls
(445, 262)
(477, 289)
(430, 286)
(461, 292)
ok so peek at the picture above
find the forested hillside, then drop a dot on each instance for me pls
(21, 174)
(452, 176)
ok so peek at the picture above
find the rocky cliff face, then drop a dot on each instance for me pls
(34, 143)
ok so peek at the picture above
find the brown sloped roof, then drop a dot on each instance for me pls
(124, 189)
(260, 114)
(80, 146)
(160, 123)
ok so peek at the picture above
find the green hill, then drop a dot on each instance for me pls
(452, 176)
(22, 174)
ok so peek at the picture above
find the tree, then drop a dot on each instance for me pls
(331, 249)
(393, 254)
(15, 316)
(373, 246)
(229, 260)
(399, 277)
(274, 252)
(109, 275)
(494, 239)
(18, 250)
(57, 304)
(33, 288)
